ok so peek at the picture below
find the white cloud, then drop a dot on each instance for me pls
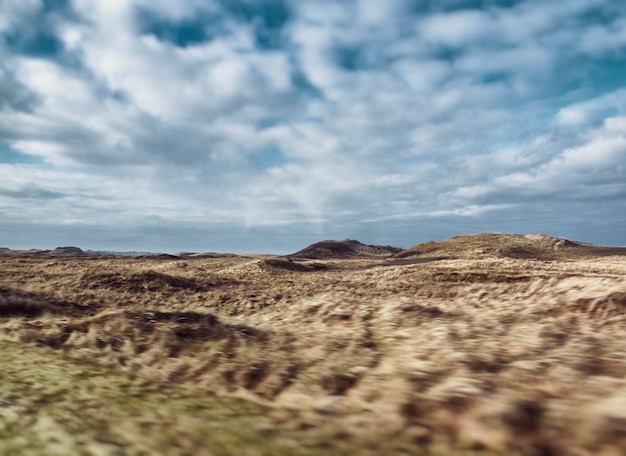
(455, 29)
(179, 10)
(606, 150)
(423, 76)
(13, 12)
(365, 111)
(593, 168)
(572, 116)
(599, 40)
(378, 13)
(593, 109)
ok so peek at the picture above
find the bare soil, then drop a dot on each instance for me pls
(425, 353)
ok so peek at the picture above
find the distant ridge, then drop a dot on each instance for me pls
(67, 251)
(501, 245)
(348, 248)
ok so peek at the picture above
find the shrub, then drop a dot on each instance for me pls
(20, 305)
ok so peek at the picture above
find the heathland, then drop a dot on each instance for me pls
(481, 344)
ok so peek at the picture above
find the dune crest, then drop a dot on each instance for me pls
(501, 245)
(348, 248)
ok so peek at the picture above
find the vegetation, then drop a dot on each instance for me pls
(494, 354)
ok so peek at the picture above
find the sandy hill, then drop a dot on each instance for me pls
(361, 356)
(347, 248)
(531, 246)
(70, 250)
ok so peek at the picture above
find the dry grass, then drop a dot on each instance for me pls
(501, 354)
(531, 246)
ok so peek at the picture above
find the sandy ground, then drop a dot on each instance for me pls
(485, 356)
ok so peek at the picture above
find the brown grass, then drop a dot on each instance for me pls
(490, 245)
(496, 353)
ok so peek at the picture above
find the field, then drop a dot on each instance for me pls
(486, 344)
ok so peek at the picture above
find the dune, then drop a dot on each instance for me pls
(500, 245)
(345, 249)
(480, 344)
(70, 250)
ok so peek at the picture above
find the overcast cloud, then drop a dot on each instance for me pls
(266, 125)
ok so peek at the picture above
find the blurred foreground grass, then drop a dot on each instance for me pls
(52, 406)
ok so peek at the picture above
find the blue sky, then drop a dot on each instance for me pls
(266, 125)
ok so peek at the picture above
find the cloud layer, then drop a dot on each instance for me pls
(287, 121)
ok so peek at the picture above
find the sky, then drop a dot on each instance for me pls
(267, 125)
